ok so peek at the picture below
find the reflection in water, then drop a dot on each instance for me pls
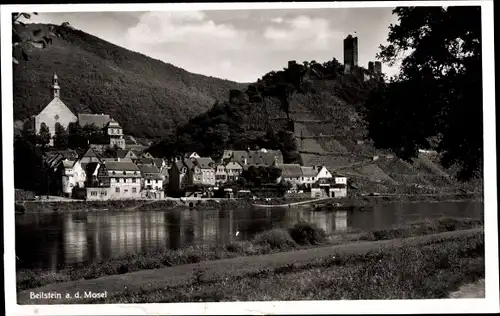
(51, 240)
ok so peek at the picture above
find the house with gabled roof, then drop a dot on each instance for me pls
(234, 170)
(90, 156)
(207, 167)
(152, 181)
(72, 176)
(309, 175)
(290, 173)
(123, 179)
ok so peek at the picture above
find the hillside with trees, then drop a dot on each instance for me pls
(147, 96)
(365, 126)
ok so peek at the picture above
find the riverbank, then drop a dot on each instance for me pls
(301, 236)
(149, 205)
(417, 267)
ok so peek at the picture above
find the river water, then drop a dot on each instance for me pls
(50, 240)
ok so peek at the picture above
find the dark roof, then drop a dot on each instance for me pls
(122, 166)
(309, 171)
(290, 170)
(205, 163)
(99, 120)
(136, 148)
(148, 168)
(257, 157)
(122, 153)
(68, 153)
(90, 167)
(234, 164)
(189, 163)
(158, 162)
(113, 124)
(91, 153)
(154, 176)
(146, 161)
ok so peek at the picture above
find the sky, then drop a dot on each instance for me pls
(239, 45)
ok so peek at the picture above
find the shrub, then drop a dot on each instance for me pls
(276, 238)
(304, 233)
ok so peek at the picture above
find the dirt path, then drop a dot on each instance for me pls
(178, 275)
(471, 290)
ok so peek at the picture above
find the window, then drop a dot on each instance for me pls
(133, 180)
(313, 178)
(114, 173)
(117, 190)
(103, 192)
(298, 178)
(156, 181)
(134, 190)
(124, 173)
(93, 193)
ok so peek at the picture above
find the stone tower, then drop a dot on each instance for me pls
(350, 51)
(56, 90)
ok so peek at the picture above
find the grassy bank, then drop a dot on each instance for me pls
(431, 270)
(73, 206)
(275, 240)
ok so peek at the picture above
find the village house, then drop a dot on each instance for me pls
(323, 173)
(233, 170)
(206, 166)
(178, 176)
(90, 156)
(261, 157)
(309, 175)
(115, 133)
(116, 180)
(151, 182)
(339, 187)
(72, 176)
(291, 173)
(220, 174)
(56, 112)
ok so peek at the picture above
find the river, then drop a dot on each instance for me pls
(48, 241)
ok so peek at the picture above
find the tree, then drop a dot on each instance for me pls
(22, 41)
(60, 136)
(44, 135)
(438, 93)
(30, 171)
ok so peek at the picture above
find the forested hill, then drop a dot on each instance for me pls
(147, 96)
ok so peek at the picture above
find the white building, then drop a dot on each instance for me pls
(323, 173)
(72, 176)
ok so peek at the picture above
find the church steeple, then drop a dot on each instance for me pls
(56, 90)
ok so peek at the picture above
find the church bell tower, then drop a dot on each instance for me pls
(56, 90)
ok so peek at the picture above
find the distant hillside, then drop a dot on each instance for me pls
(147, 96)
(313, 112)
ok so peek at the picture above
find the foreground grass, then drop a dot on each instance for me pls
(431, 270)
(276, 240)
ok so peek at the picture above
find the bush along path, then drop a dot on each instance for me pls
(147, 281)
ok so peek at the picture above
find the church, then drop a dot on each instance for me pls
(56, 112)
